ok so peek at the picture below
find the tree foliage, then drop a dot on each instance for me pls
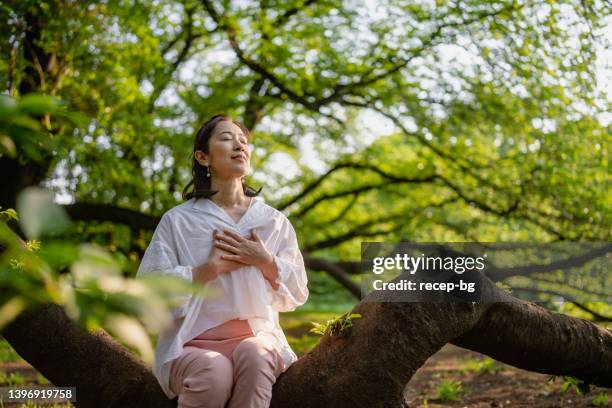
(427, 121)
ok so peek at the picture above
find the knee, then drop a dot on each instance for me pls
(211, 378)
(254, 355)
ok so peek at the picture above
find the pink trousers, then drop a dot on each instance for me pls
(226, 366)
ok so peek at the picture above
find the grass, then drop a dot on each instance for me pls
(449, 390)
(40, 379)
(7, 353)
(11, 379)
(484, 365)
(31, 404)
(327, 295)
(297, 325)
(301, 345)
(601, 400)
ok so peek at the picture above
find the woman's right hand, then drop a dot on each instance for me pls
(215, 265)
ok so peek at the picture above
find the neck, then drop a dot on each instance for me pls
(229, 192)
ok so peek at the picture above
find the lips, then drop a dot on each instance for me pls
(240, 156)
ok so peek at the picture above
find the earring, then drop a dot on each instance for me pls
(207, 171)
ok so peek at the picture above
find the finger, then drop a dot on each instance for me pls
(226, 247)
(233, 258)
(255, 236)
(228, 240)
(234, 235)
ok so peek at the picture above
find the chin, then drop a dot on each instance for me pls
(238, 175)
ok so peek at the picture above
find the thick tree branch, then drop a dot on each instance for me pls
(255, 67)
(137, 221)
(320, 264)
(597, 316)
(190, 37)
(309, 101)
(367, 78)
(362, 229)
(253, 110)
(106, 212)
(104, 373)
(498, 274)
(338, 375)
(569, 285)
(282, 19)
(368, 187)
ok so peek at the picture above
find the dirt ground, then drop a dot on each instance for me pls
(487, 383)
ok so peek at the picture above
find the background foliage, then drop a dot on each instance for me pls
(392, 120)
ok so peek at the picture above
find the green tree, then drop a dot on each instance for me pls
(495, 112)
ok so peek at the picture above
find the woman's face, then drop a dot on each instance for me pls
(228, 154)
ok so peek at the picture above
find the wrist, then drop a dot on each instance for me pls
(205, 272)
(270, 271)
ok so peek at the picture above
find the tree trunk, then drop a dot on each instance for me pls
(18, 175)
(370, 365)
(367, 365)
(104, 373)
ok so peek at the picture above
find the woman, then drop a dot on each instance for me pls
(226, 346)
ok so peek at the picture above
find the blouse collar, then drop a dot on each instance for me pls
(207, 206)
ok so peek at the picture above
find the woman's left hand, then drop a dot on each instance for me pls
(250, 251)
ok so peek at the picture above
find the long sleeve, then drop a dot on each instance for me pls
(292, 279)
(160, 258)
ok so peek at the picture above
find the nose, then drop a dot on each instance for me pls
(241, 147)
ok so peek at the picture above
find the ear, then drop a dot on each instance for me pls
(200, 157)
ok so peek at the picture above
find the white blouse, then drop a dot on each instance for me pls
(183, 240)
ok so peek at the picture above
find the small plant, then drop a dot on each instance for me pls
(8, 214)
(335, 326)
(601, 400)
(40, 379)
(506, 288)
(486, 365)
(449, 390)
(32, 404)
(33, 245)
(11, 379)
(7, 353)
(580, 386)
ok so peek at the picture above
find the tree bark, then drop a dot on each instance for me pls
(104, 373)
(367, 365)
(16, 174)
(370, 365)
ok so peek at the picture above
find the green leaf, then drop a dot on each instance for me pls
(8, 107)
(9, 214)
(39, 213)
(36, 104)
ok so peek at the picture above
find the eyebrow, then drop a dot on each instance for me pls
(227, 131)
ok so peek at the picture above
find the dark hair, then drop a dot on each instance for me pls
(200, 182)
